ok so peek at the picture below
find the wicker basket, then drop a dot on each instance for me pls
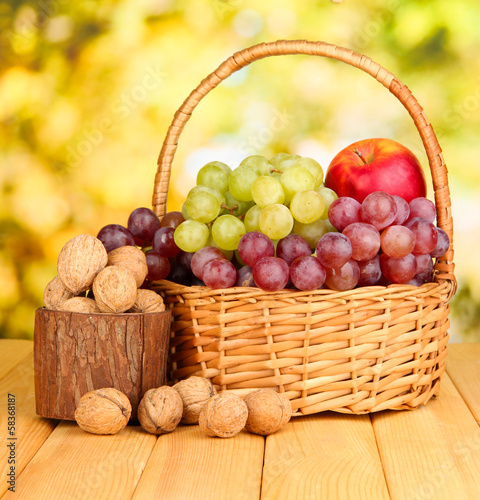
(357, 351)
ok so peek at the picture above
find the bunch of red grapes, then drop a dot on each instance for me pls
(383, 240)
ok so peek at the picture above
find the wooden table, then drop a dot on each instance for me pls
(429, 453)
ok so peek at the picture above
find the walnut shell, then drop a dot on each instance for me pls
(79, 261)
(115, 289)
(160, 410)
(195, 392)
(103, 411)
(147, 301)
(81, 305)
(224, 415)
(56, 294)
(268, 411)
(131, 258)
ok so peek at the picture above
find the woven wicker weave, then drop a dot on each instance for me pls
(357, 351)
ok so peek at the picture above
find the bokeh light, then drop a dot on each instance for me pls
(88, 90)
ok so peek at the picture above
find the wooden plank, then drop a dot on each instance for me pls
(30, 430)
(432, 452)
(73, 464)
(463, 367)
(12, 352)
(327, 456)
(188, 464)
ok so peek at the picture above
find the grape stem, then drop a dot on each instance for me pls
(359, 154)
(231, 210)
(275, 171)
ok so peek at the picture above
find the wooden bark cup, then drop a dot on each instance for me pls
(75, 353)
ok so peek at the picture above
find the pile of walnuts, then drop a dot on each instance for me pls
(191, 401)
(91, 281)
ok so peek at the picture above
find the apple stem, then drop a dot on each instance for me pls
(359, 154)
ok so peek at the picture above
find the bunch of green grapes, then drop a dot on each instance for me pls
(276, 197)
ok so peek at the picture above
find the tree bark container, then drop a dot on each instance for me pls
(75, 353)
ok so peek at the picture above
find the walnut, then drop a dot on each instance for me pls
(56, 294)
(147, 301)
(81, 305)
(131, 258)
(79, 261)
(160, 410)
(103, 411)
(268, 411)
(115, 289)
(224, 415)
(195, 392)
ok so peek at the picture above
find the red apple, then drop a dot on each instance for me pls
(376, 165)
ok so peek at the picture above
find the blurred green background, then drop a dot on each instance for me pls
(88, 89)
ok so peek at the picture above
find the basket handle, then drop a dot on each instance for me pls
(444, 267)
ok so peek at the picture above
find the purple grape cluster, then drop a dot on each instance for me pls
(144, 229)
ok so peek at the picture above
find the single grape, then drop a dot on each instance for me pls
(142, 224)
(227, 231)
(307, 273)
(267, 190)
(238, 263)
(296, 179)
(370, 271)
(180, 275)
(258, 162)
(158, 266)
(329, 196)
(307, 206)
(253, 246)
(344, 211)
(252, 218)
(214, 175)
(365, 240)
(219, 273)
(313, 167)
(164, 242)
(329, 228)
(275, 221)
(114, 236)
(185, 214)
(240, 182)
(271, 274)
(424, 267)
(191, 235)
(400, 270)
(184, 259)
(442, 245)
(204, 203)
(426, 235)
(397, 241)
(283, 161)
(311, 233)
(343, 278)
(245, 277)
(403, 210)
(172, 219)
(334, 250)
(379, 209)
(201, 257)
(234, 206)
(292, 247)
(423, 208)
